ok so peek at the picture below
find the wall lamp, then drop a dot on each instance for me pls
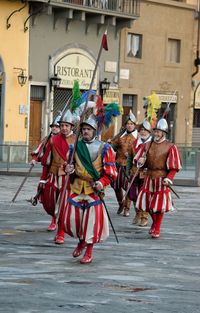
(22, 78)
(55, 82)
(104, 85)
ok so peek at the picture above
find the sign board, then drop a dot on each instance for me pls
(78, 67)
(124, 73)
(23, 109)
(197, 98)
(172, 98)
(110, 67)
(111, 95)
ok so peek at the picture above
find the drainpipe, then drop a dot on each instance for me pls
(197, 60)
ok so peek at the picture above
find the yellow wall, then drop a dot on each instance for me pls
(14, 53)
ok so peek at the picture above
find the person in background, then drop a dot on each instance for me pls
(56, 154)
(122, 145)
(144, 136)
(162, 160)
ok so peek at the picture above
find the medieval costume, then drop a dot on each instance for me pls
(38, 154)
(57, 153)
(85, 215)
(123, 145)
(144, 130)
(162, 160)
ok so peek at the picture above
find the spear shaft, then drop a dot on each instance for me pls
(78, 131)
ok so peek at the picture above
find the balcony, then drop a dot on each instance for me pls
(117, 13)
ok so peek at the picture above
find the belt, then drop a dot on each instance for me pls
(156, 173)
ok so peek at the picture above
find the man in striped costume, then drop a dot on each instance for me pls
(93, 169)
(37, 156)
(162, 160)
(123, 145)
(56, 154)
(144, 136)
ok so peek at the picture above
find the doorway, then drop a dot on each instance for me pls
(35, 124)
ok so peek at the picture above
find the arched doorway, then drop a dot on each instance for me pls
(72, 63)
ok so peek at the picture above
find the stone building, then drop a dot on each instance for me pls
(157, 54)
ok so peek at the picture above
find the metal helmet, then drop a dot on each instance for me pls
(56, 121)
(67, 117)
(162, 125)
(91, 121)
(131, 117)
(146, 125)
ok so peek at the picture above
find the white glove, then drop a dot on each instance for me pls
(33, 162)
(167, 182)
(98, 186)
(69, 168)
(141, 162)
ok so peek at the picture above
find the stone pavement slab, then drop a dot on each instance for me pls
(139, 274)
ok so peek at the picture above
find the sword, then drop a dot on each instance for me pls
(100, 195)
(34, 200)
(170, 187)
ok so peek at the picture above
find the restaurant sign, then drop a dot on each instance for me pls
(78, 67)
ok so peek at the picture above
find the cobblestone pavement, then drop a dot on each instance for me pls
(139, 274)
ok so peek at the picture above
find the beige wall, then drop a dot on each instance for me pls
(14, 53)
(160, 20)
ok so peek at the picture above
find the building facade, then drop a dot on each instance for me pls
(13, 69)
(157, 54)
(152, 46)
(65, 38)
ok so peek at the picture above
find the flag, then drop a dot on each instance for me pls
(76, 96)
(104, 42)
(154, 105)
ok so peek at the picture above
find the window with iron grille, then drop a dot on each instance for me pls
(196, 118)
(38, 93)
(61, 97)
(129, 103)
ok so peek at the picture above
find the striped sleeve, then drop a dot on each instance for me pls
(47, 157)
(174, 161)
(109, 167)
(38, 153)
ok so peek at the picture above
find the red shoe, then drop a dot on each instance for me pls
(155, 234)
(152, 229)
(59, 240)
(86, 259)
(52, 226)
(79, 249)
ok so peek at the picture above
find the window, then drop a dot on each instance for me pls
(134, 46)
(174, 50)
(129, 103)
(196, 120)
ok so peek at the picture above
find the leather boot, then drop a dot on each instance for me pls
(52, 226)
(119, 196)
(144, 219)
(156, 232)
(127, 207)
(137, 218)
(87, 258)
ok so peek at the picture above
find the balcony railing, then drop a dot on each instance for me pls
(127, 7)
